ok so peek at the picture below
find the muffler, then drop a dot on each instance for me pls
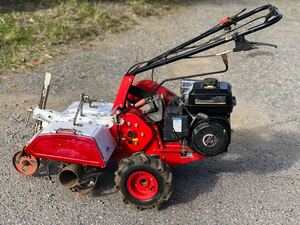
(70, 175)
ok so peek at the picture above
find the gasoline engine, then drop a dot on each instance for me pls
(201, 116)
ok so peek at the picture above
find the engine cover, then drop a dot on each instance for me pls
(210, 138)
(208, 96)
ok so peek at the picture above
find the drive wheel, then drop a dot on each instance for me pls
(144, 181)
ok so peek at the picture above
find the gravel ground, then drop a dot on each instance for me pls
(256, 182)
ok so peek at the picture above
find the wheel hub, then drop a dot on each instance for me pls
(25, 164)
(142, 185)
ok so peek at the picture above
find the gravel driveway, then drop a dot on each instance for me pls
(256, 182)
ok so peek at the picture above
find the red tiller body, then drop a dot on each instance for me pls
(137, 132)
(147, 136)
(148, 127)
(72, 148)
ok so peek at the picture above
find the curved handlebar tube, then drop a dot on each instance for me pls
(173, 55)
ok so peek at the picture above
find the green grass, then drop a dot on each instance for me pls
(33, 31)
(150, 7)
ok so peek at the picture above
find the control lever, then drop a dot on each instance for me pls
(241, 44)
(232, 18)
(271, 13)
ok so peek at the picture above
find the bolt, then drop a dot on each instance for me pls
(129, 124)
(24, 168)
(142, 134)
(136, 125)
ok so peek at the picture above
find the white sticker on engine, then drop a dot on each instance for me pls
(177, 124)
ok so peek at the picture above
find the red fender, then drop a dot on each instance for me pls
(66, 148)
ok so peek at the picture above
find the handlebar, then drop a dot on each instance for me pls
(185, 50)
(273, 17)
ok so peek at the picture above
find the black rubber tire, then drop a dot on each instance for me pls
(151, 164)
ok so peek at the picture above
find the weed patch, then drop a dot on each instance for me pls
(33, 31)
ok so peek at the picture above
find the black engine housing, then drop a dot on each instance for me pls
(202, 116)
(208, 96)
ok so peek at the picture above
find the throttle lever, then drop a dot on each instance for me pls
(271, 13)
(232, 18)
(263, 44)
(241, 44)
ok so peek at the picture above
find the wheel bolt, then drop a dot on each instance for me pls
(25, 168)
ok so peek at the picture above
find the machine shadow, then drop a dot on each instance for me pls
(48, 168)
(258, 151)
(105, 185)
(261, 150)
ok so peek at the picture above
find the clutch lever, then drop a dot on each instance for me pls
(234, 17)
(241, 44)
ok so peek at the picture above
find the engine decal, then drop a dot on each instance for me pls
(209, 140)
(177, 124)
(210, 100)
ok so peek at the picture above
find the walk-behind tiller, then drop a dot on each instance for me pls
(148, 128)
